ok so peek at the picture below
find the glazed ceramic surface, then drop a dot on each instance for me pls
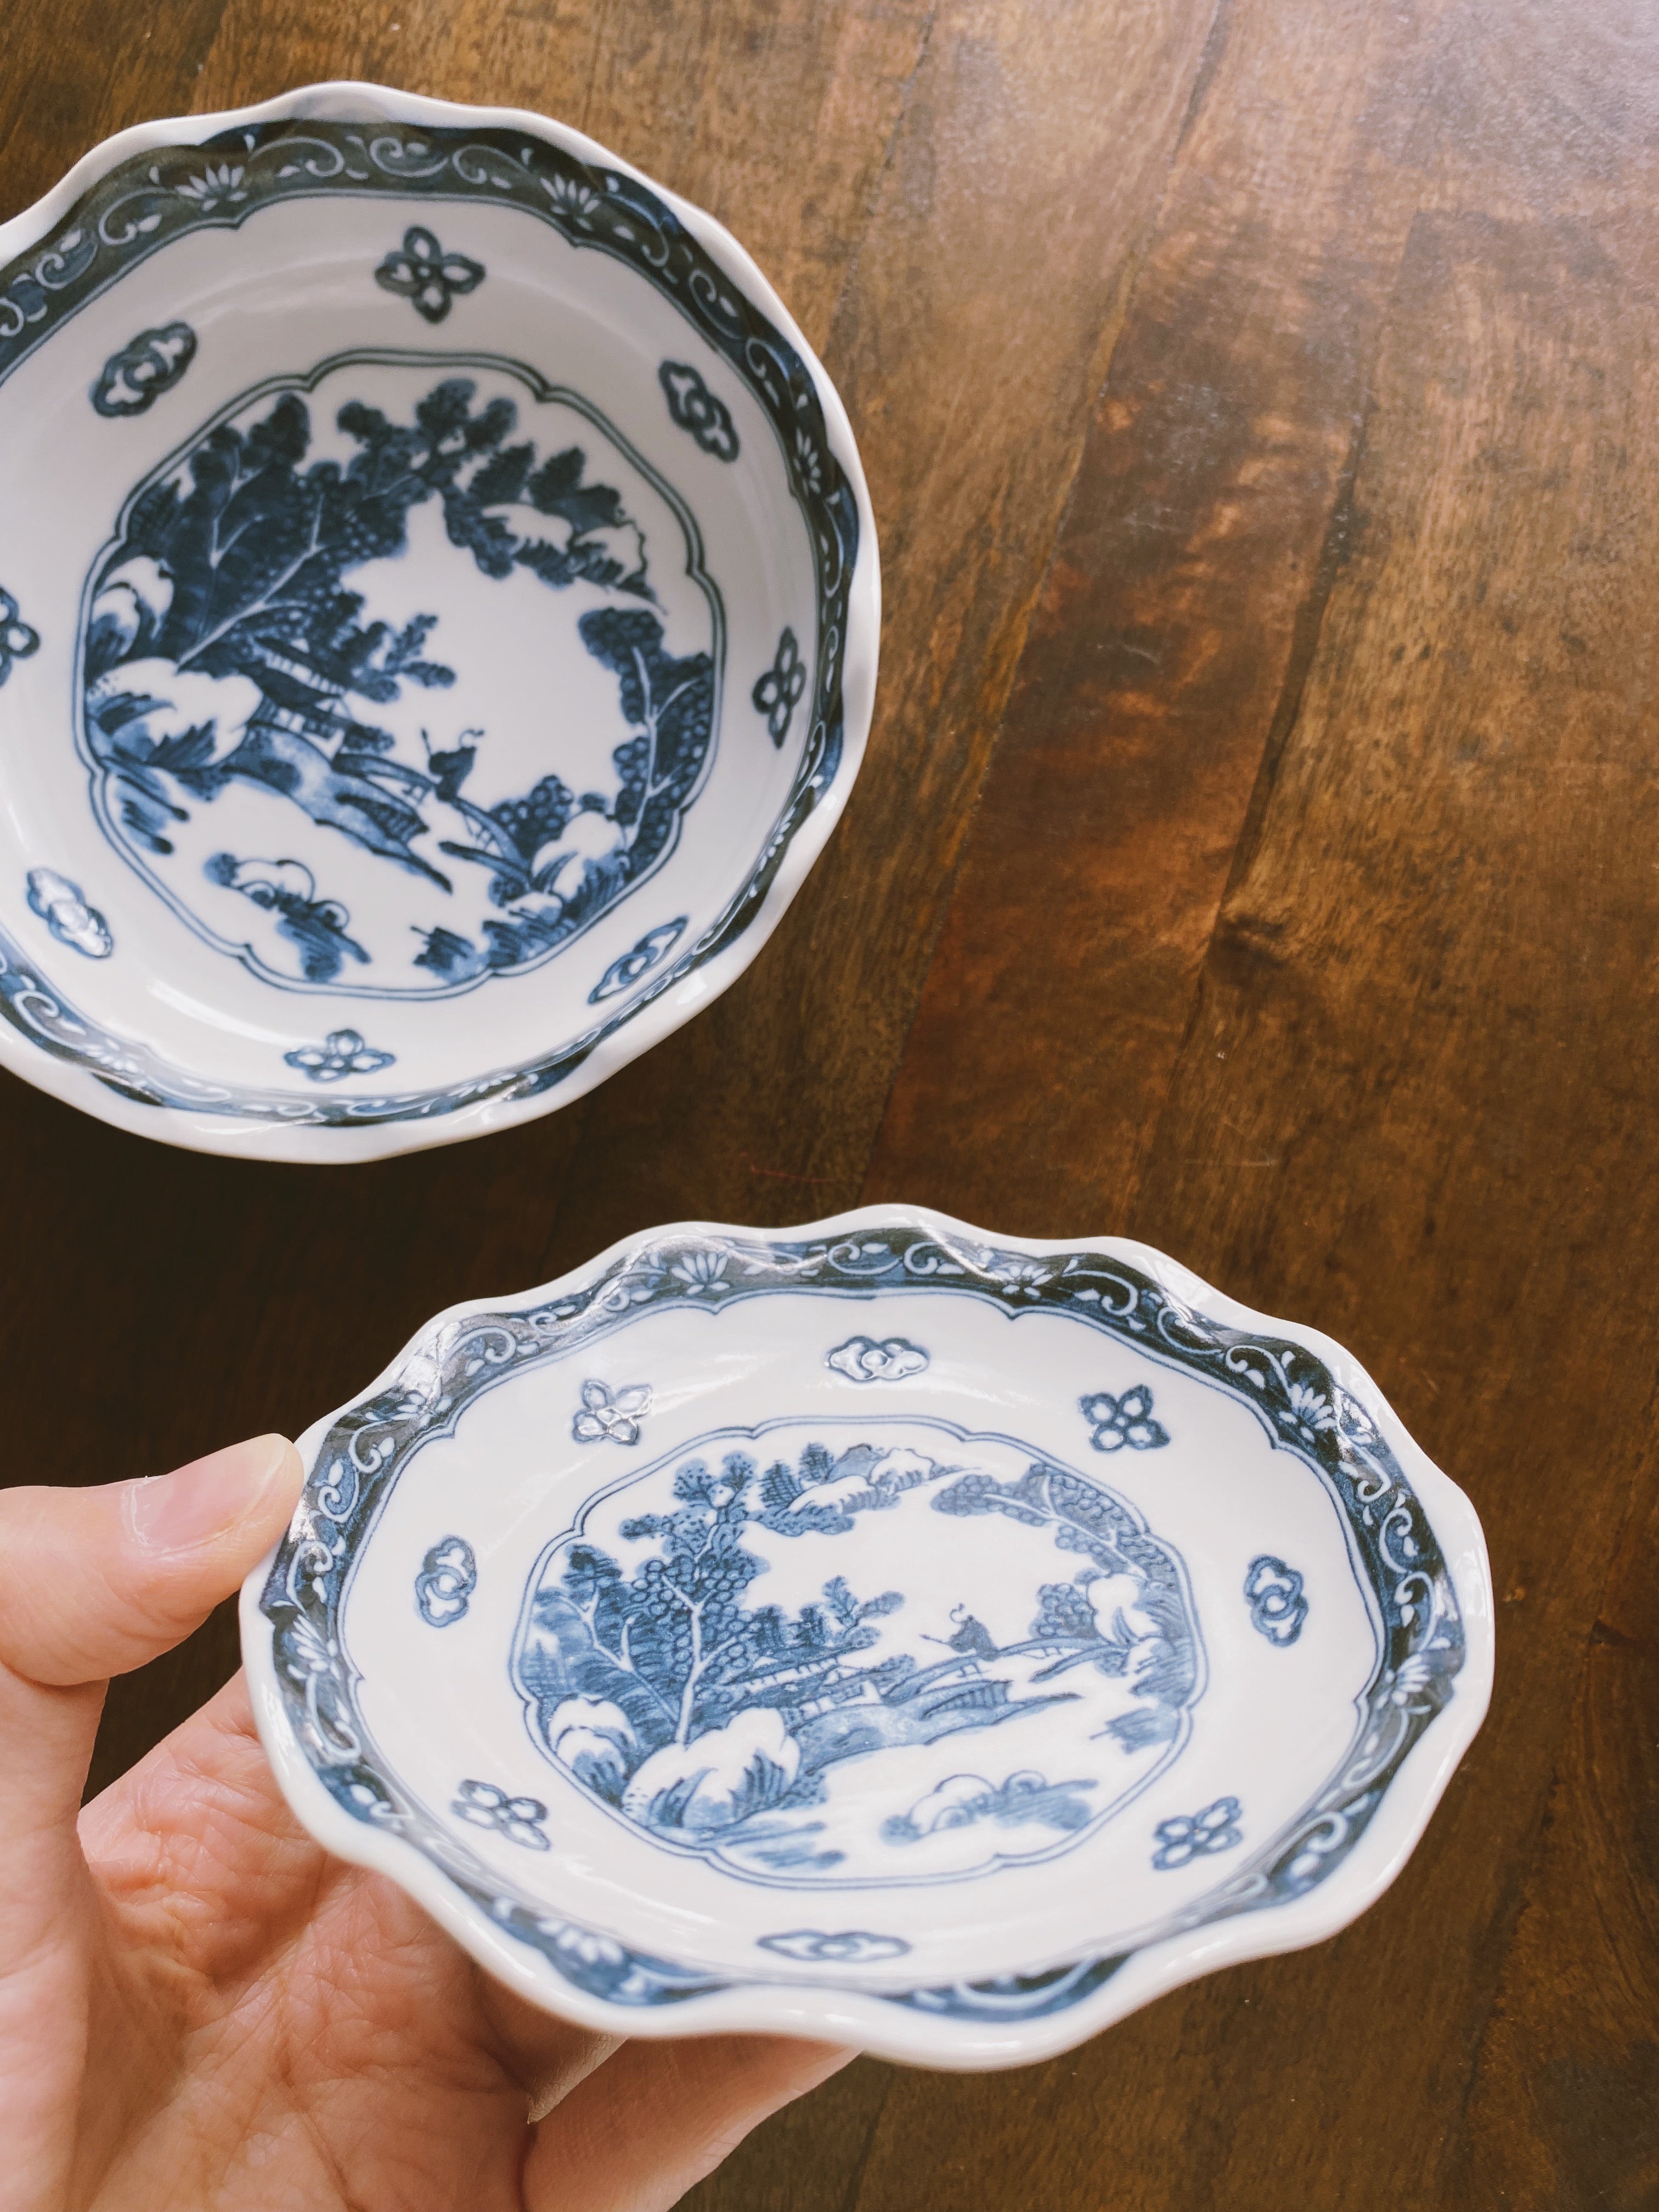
(877, 1631)
(437, 632)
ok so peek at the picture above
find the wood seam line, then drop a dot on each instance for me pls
(855, 2187)
(1336, 549)
(1209, 61)
(1119, 309)
(873, 200)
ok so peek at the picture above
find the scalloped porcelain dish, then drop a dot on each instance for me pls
(438, 630)
(877, 1631)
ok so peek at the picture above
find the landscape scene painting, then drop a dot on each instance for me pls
(896, 1655)
(396, 681)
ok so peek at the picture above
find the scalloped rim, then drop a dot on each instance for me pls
(869, 2023)
(347, 100)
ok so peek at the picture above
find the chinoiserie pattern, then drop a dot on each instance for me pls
(1301, 1403)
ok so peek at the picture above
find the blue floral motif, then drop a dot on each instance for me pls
(518, 1819)
(1274, 1593)
(135, 376)
(448, 1576)
(861, 1359)
(1307, 1413)
(849, 1947)
(703, 1271)
(1188, 1836)
(611, 1417)
(1125, 1420)
(341, 1053)
(633, 964)
(422, 272)
(17, 640)
(60, 904)
(696, 408)
(1018, 1278)
(220, 184)
(777, 693)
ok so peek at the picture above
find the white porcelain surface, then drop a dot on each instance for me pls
(876, 1630)
(446, 632)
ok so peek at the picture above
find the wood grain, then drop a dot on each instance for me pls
(1258, 852)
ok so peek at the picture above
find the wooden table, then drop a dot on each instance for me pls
(1258, 853)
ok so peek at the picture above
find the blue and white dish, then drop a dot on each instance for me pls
(877, 1630)
(439, 627)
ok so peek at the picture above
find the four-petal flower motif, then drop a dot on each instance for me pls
(17, 640)
(1020, 1278)
(424, 272)
(342, 1052)
(612, 1416)
(1188, 1836)
(1273, 1593)
(448, 1576)
(697, 409)
(518, 1819)
(777, 693)
(1125, 1420)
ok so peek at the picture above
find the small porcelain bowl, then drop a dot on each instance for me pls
(438, 629)
(876, 1630)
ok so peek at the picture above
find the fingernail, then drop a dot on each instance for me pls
(175, 1512)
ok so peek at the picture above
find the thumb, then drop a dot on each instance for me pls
(93, 1582)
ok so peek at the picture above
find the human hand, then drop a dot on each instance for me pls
(199, 2007)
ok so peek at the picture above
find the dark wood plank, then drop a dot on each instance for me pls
(1171, 637)
(1565, 2103)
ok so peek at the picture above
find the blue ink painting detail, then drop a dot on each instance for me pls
(448, 1576)
(1115, 1422)
(518, 1819)
(423, 273)
(148, 201)
(633, 964)
(17, 640)
(341, 1053)
(1189, 1835)
(135, 376)
(696, 408)
(1399, 1557)
(252, 655)
(1273, 1593)
(962, 1799)
(777, 693)
(787, 1740)
(610, 1416)
(861, 1359)
(60, 905)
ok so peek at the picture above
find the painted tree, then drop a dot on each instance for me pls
(674, 1644)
